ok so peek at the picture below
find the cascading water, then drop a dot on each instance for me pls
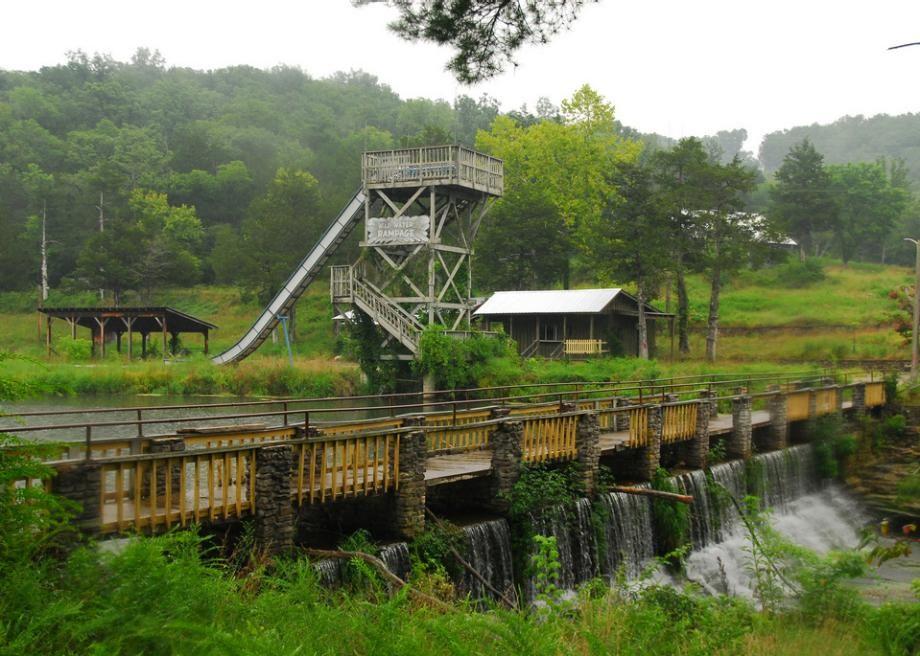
(489, 552)
(628, 541)
(330, 571)
(787, 475)
(574, 533)
(820, 519)
(396, 558)
(712, 515)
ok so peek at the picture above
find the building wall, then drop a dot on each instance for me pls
(620, 331)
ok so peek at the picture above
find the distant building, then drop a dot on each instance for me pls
(571, 323)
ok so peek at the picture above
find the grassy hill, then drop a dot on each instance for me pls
(768, 317)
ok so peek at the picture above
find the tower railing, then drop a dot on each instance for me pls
(455, 165)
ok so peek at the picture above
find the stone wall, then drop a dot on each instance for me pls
(507, 453)
(695, 452)
(80, 481)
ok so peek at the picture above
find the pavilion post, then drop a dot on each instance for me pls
(165, 346)
(144, 345)
(130, 324)
(48, 333)
(101, 323)
(118, 341)
(206, 342)
(73, 327)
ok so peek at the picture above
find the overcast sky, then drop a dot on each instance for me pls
(673, 67)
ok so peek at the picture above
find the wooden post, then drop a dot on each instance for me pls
(130, 323)
(144, 345)
(73, 327)
(206, 342)
(101, 323)
(118, 341)
(48, 334)
(163, 324)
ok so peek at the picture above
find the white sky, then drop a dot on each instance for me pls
(673, 67)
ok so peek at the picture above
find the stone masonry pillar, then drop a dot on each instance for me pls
(588, 449)
(410, 497)
(859, 399)
(81, 481)
(646, 459)
(507, 459)
(695, 452)
(274, 512)
(739, 441)
(778, 434)
(710, 403)
(166, 445)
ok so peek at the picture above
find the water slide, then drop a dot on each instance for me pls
(295, 286)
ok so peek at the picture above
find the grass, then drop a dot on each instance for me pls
(162, 596)
(257, 376)
(855, 295)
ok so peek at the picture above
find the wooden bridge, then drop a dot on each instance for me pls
(225, 473)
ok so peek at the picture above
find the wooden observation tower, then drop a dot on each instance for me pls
(422, 210)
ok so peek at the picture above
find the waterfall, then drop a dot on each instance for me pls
(572, 527)
(396, 558)
(712, 514)
(628, 541)
(819, 519)
(330, 571)
(489, 552)
(787, 475)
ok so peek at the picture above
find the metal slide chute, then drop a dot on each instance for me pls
(295, 286)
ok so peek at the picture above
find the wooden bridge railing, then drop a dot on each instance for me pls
(461, 430)
(875, 395)
(550, 437)
(162, 489)
(350, 465)
(678, 421)
(797, 405)
(825, 401)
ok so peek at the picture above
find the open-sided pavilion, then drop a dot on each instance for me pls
(119, 321)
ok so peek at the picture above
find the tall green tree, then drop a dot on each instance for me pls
(801, 199)
(681, 173)
(281, 227)
(727, 234)
(562, 164)
(868, 208)
(626, 245)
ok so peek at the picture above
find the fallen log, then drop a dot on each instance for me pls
(379, 565)
(660, 494)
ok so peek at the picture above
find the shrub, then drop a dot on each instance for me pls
(798, 274)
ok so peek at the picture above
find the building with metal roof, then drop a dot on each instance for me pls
(571, 322)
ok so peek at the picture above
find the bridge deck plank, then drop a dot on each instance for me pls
(457, 467)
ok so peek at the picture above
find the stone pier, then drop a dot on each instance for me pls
(739, 442)
(409, 508)
(274, 513)
(507, 453)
